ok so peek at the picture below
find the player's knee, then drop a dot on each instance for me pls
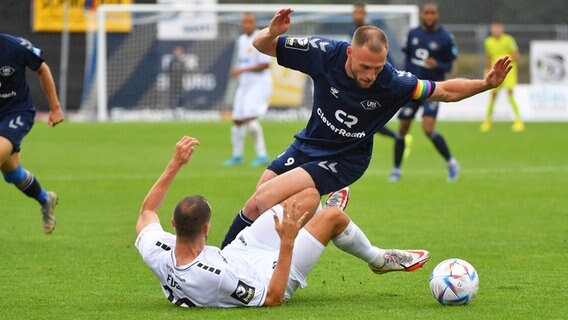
(15, 176)
(334, 215)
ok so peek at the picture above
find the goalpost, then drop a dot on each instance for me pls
(137, 80)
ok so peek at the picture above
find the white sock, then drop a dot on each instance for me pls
(353, 241)
(238, 139)
(255, 130)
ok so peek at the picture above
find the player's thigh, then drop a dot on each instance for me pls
(282, 187)
(13, 128)
(409, 110)
(6, 148)
(430, 109)
(239, 104)
(511, 80)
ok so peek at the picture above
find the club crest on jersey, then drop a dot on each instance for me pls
(302, 44)
(370, 104)
(243, 293)
(6, 71)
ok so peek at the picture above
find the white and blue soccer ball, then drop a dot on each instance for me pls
(454, 282)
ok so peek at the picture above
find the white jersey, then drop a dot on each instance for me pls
(248, 56)
(210, 280)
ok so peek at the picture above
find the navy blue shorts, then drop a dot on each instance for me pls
(409, 110)
(329, 174)
(15, 126)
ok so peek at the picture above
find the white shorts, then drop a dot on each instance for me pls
(251, 100)
(260, 243)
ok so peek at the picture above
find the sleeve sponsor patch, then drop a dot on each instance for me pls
(302, 44)
(243, 293)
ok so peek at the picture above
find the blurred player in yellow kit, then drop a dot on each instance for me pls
(497, 45)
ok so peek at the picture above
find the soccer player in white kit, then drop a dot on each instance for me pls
(252, 95)
(267, 261)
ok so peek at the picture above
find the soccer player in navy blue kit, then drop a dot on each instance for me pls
(356, 91)
(17, 113)
(430, 51)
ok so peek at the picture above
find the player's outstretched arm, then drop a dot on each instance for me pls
(48, 85)
(457, 89)
(292, 221)
(155, 197)
(267, 39)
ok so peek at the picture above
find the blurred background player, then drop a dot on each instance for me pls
(176, 70)
(17, 113)
(252, 96)
(359, 16)
(497, 45)
(430, 52)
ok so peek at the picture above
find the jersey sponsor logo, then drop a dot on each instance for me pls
(15, 123)
(297, 43)
(345, 118)
(243, 293)
(8, 95)
(334, 92)
(6, 71)
(340, 131)
(370, 104)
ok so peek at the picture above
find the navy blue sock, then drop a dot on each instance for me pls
(385, 131)
(441, 145)
(239, 223)
(27, 183)
(399, 146)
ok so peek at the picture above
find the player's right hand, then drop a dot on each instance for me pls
(280, 22)
(184, 150)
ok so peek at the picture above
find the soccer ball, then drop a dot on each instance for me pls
(454, 282)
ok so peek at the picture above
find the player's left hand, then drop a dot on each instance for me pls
(292, 221)
(499, 71)
(55, 117)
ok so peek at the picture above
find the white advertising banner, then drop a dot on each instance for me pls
(536, 103)
(183, 25)
(549, 62)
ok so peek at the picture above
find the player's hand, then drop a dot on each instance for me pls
(499, 71)
(431, 63)
(55, 117)
(236, 72)
(292, 221)
(280, 22)
(184, 150)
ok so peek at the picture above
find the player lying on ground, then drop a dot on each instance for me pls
(356, 92)
(17, 113)
(265, 264)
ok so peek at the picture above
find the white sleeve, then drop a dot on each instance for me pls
(240, 291)
(153, 240)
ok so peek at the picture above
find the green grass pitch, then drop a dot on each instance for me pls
(507, 215)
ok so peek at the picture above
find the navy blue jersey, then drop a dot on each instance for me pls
(421, 45)
(15, 55)
(344, 116)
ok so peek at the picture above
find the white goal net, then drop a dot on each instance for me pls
(174, 62)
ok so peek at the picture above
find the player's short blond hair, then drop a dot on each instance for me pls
(371, 37)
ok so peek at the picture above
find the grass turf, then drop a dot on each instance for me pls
(507, 215)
